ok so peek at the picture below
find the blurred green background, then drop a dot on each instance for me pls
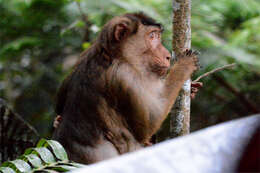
(40, 41)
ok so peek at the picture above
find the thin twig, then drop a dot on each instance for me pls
(214, 70)
(83, 15)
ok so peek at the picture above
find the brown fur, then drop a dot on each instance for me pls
(118, 94)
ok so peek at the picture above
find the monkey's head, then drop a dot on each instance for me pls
(136, 38)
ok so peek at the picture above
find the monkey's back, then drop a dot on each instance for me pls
(89, 110)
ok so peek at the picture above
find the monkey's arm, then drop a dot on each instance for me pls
(179, 73)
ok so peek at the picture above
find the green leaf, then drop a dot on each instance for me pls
(34, 160)
(86, 45)
(42, 143)
(80, 24)
(6, 170)
(58, 150)
(56, 147)
(21, 165)
(45, 154)
(9, 164)
(19, 44)
(29, 151)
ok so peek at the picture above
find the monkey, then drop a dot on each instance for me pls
(120, 91)
(194, 89)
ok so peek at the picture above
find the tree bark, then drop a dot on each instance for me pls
(180, 114)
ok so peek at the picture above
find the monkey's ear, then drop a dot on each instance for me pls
(121, 31)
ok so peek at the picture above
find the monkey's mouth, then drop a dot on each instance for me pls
(160, 70)
(164, 67)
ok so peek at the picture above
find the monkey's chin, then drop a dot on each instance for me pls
(164, 72)
(161, 71)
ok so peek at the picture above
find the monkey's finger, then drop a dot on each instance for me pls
(190, 52)
(198, 64)
(192, 95)
(196, 84)
(194, 90)
(195, 59)
(58, 118)
(196, 52)
(187, 52)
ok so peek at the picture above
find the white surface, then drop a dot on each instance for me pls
(212, 150)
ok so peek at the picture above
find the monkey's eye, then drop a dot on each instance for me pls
(152, 35)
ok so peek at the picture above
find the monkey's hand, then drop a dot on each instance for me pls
(188, 63)
(195, 86)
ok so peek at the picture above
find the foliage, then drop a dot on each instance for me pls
(47, 156)
(40, 40)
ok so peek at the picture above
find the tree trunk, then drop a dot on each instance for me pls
(180, 114)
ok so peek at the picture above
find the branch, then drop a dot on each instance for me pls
(180, 113)
(86, 21)
(214, 70)
(83, 15)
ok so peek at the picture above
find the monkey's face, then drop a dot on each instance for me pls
(156, 54)
(144, 48)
